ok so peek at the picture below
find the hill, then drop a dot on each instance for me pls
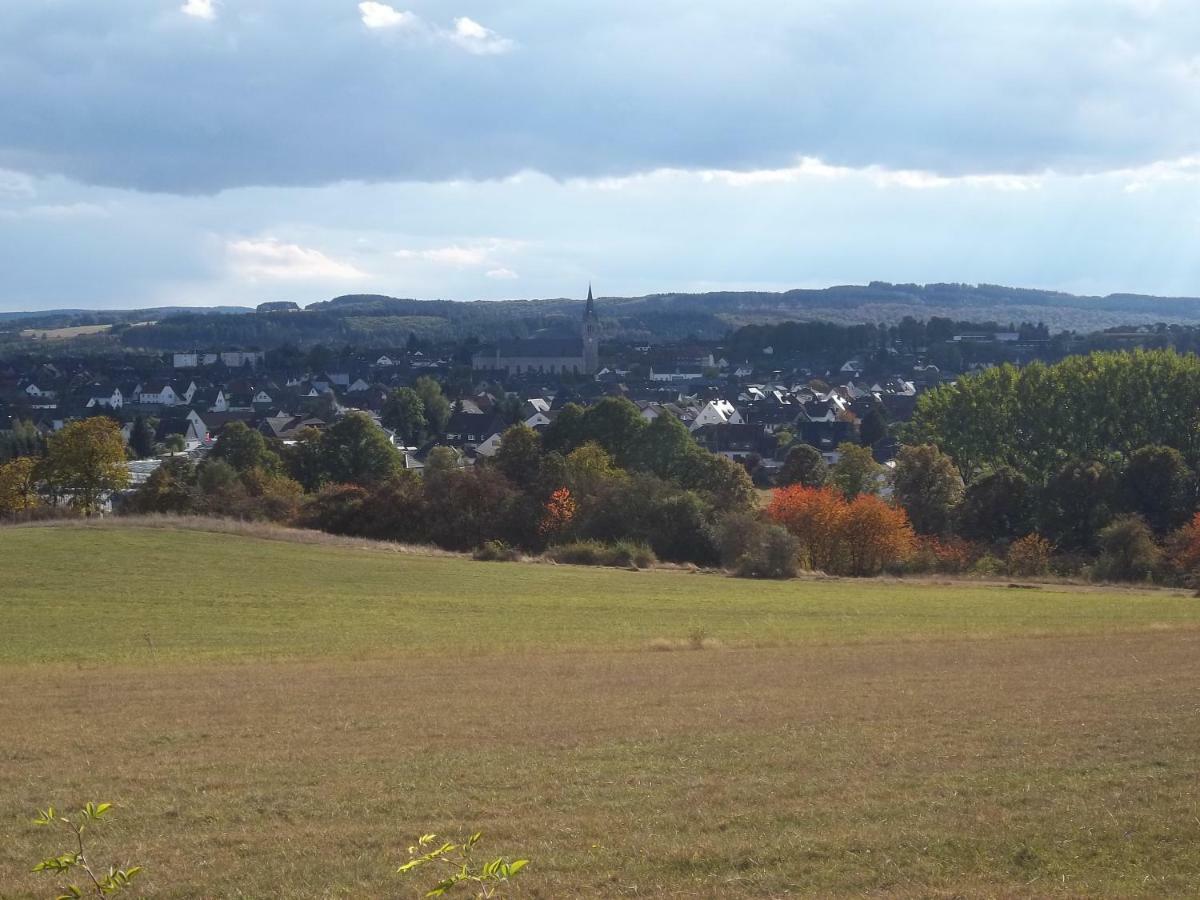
(282, 716)
(378, 320)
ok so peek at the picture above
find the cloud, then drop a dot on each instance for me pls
(380, 15)
(501, 274)
(942, 88)
(475, 38)
(463, 256)
(273, 260)
(199, 9)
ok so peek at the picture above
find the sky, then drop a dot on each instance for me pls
(204, 152)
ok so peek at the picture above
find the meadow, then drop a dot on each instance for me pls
(279, 717)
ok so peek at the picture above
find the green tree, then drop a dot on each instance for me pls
(1127, 550)
(873, 428)
(855, 471)
(1158, 485)
(304, 459)
(404, 413)
(86, 462)
(565, 433)
(1076, 503)
(803, 465)
(662, 448)
(244, 448)
(436, 406)
(615, 424)
(141, 438)
(928, 487)
(996, 506)
(356, 451)
(171, 488)
(519, 456)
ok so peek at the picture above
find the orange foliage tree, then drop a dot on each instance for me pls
(559, 512)
(1183, 546)
(840, 536)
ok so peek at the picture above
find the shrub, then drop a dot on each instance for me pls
(496, 551)
(752, 548)
(951, 554)
(1183, 547)
(623, 554)
(1127, 550)
(988, 566)
(774, 555)
(1029, 556)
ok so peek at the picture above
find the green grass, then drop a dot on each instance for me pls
(126, 594)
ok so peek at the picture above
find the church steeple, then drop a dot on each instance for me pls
(591, 335)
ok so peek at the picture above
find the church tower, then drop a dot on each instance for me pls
(591, 336)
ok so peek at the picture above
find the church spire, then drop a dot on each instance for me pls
(589, 311)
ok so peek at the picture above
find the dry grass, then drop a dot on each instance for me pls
(1063, 766)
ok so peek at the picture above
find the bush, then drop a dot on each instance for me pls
(988, 566)
(774, 555)
(1127, 550)
(496, 551)
(753, 548)
(951, 555)
(1029, 556)
(622, 554)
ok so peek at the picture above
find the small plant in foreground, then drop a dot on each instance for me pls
(101, 883)
(487, 878)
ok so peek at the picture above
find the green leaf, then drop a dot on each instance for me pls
(517, 865)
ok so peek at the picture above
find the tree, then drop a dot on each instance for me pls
(803, 465)
(356, 451)
(141, 438)
(615, 424)
(18, 485)
(814, 516)
(928, 487)
(724, 481)
(663, 448)
(565, 433)
(171, 488)
(436, 406)
(244, 449)
(874, 536)
(587, 468)
(1158, 485)
(1076, 503)
(404, 413)
(855, 471)
(996, 506)
(1127, 550)
(304, 459)
(86, 461)
(873, 428)
(519, 455)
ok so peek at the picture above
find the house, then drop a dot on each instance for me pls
(161, 393)
(734, 441)
(716, 412)
(105, 396)
(465, 429)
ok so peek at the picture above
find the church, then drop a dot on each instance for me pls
(548, 355)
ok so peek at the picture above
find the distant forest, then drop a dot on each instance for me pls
(387, 321)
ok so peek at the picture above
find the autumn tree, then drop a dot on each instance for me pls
(813, 516)
(874, 535)
(18, 485)
(85, 461)
(928, 487)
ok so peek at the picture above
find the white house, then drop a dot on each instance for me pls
(164, 395)
(717, 412)
(110, 398)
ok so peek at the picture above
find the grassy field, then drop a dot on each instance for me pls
(62, 334)
(279, 719)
